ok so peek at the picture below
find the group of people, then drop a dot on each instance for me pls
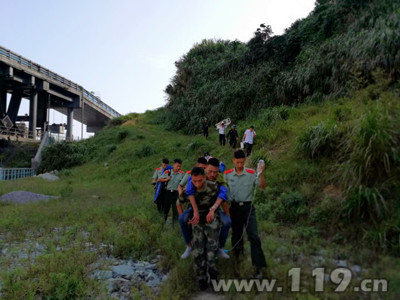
(232, 136)
(206, 222)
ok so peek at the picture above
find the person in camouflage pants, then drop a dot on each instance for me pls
(205, 225)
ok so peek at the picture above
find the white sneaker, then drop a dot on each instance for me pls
(223, 254)
(187, 252)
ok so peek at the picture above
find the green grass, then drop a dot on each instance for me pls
(110, 199)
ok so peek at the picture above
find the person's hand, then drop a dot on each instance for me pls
(195, 220)
(210, 216)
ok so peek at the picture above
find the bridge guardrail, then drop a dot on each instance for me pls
(38, 68)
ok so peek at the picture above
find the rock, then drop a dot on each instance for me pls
(95, 197)
(355, 269)
(102, 275)
(121, 270)
(340, 263)
(48, 176)
(152, 280)
(22, 197)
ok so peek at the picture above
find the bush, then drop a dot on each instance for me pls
(371, 152)
(145, 151)
(64, 155)
(122, 134)
(319, 141)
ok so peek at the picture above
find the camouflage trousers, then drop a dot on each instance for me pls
(205, 249)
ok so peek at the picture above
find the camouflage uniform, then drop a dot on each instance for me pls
(205, 236)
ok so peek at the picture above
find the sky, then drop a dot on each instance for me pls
(124, 50)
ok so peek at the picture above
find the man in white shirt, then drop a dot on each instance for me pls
(221, 130)
(248, 139)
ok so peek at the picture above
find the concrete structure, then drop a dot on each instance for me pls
(45, 89)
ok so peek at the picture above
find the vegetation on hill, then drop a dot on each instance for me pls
(17, 154)
(324, 100)
(332, 52)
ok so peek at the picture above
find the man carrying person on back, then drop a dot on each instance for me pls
(205, 226)
(212, 173)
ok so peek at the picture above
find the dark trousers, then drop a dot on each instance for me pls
(222, 139)
(170, 200)
(160, 202)
(232, 143)
(248, 148)
(205, 132)
(239, 217)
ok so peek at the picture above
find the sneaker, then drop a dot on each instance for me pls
(187, 252)
(258, 274)
(223, 254)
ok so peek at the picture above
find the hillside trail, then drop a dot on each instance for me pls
(207, 296)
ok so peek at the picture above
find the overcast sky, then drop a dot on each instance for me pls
(124, 50)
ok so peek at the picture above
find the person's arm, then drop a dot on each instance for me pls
(210, 215)
(165, 177)
(196, 218)
(263, 183)
(180, 189)
(179, 207)
(225, 208)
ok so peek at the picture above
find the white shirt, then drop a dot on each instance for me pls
(249, 136)
(221, 129)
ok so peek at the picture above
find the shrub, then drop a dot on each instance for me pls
(64, 155)
(145, 150)
(371, 153)
(319, 141)
(122, 134)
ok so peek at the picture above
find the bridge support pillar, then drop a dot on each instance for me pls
(33, 114)
(70, 120)
(42, 110)
(3, 103)
(15, 103)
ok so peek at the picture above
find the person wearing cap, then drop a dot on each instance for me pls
(221, 131)
(248, 139)
(233, 136)
(241, 182)
(172, 178)
(205, 128)
(159, 186)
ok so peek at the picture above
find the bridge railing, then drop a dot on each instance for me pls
(38, 68)
(16, 173)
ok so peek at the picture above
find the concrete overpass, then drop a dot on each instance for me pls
(45, 89)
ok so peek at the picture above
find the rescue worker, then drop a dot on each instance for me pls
(172, 178)
(241, 182)
(159, 186)
(212, 173)
(205, 226)
(233, 136)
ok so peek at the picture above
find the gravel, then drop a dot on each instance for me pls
(22, 197)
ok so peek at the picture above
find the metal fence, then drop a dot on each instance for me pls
(16, 173)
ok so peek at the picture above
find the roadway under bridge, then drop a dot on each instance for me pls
(22, 78)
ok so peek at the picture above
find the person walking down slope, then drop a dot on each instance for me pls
(205, 128)
(221, 130)
(233, 136)
(172, 178)
(159, 186)
(248, 139)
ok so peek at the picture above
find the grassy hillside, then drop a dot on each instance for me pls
(324, 202)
